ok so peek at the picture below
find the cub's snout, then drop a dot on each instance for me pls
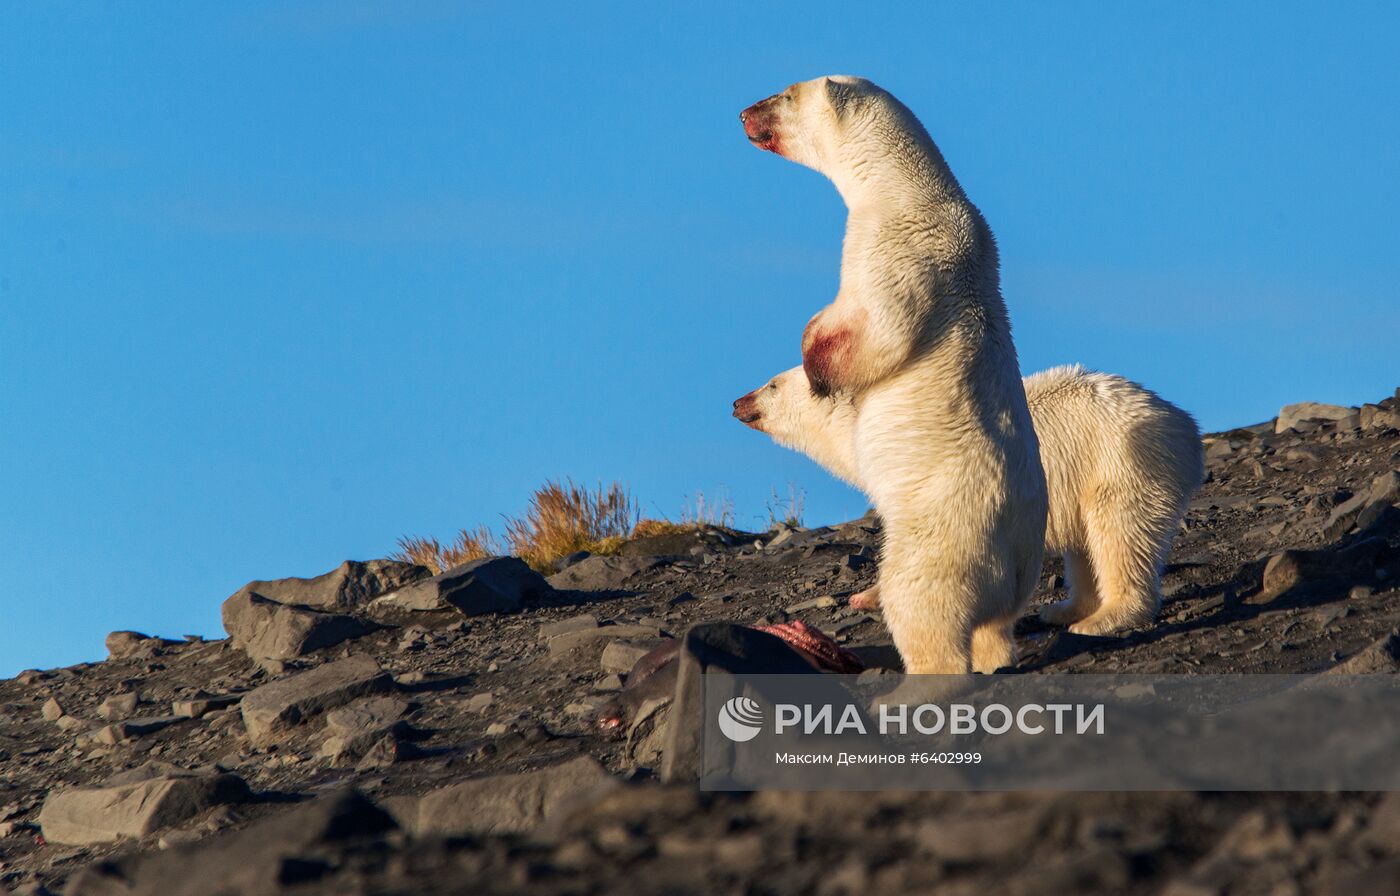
(761, 124)
(746, 410)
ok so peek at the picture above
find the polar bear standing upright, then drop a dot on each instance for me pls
(1121, 464)
(918, 338)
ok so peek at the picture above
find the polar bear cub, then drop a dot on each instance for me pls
(919, 340)
(1121, 464)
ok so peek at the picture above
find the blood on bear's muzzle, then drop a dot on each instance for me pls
(760, 124)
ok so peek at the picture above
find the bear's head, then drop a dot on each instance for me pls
(811, 121)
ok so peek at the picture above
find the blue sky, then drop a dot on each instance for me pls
(279, 284)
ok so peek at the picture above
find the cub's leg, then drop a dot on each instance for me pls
(1083, 589)
(994, 645)
(1126, 561)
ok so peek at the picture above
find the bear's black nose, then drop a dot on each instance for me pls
(744, 116)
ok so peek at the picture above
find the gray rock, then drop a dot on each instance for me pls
(564, 563)
(572, 624)
(1385, 488)
(1218, 449)
(586, 646)
(672, 544)
(1378, 417)
(488, 585)
(1309, 411)
(480, 702)
(1344, 515)
(814, 604)
(120, 732)
(119, 706)
(274, 708)
(981, 839)
(599, 573)
(509, 803)
(135, 804)
(199, 706)
(359, 728)
(351, 584)
(621, 655)
(265, 858)
(1289, 570)
(736, 649)
(268, 630)
(1364, 507)
(121, 645)
(1381, 657)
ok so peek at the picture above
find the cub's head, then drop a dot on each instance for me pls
(781, 407)
(811, 121)
(787, 410)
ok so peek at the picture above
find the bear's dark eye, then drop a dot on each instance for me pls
(772, 385)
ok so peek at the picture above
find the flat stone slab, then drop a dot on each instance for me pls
(508, 803)
(355, 729)
(119, 732)
(280, 706)
(621, 655)
(135, 804)
(587, 645)
(257, 860)
(599, 573)
(198, 707)
(573, 624)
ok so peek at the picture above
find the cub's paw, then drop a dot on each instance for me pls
(868, 599)
(1063, 612)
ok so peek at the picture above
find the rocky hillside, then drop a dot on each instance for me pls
(381, 730)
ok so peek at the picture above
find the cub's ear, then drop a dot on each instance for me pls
(837, 94)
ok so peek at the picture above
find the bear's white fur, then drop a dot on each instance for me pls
(918, 338)
(1121, 464)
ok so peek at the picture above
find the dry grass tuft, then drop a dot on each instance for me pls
(786, 510)
(648, 527)
(564, 517)
(439, 557)
(700, 512)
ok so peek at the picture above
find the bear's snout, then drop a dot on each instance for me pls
(746, 410)
(760, 124)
